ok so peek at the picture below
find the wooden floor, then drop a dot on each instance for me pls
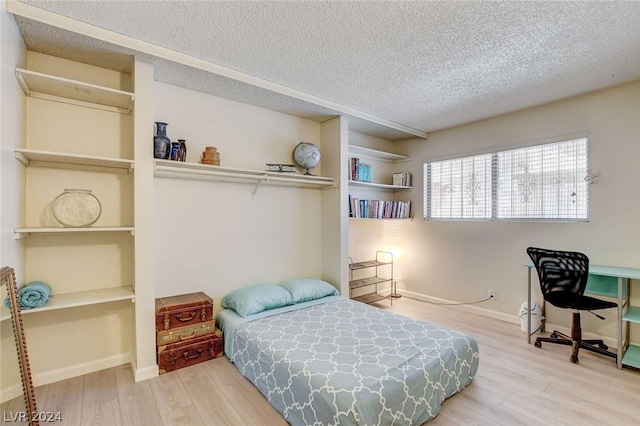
(515, 384)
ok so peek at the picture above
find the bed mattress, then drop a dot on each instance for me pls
(335, 361)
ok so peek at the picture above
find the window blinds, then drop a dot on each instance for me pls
(461, 188)
(543, 182)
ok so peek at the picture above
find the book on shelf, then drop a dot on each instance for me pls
(379, 209)
(402, 179)
(352, 206)
(359, 171)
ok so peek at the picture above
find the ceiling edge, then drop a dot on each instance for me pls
(69, 24)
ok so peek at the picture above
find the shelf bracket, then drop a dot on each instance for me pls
(22, 158)
(255, 189)
(20, 235)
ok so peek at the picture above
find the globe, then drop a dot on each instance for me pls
(306, 155)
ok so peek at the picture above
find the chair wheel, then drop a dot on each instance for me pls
(553, 335)
(538, 344)
(574, 359)
(605, 347)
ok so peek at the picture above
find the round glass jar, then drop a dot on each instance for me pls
(76, 208)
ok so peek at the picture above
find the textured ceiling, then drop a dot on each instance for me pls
(426, 65)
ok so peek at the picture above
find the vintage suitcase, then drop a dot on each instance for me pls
(181, 334)
(183, 310)
(183, 354)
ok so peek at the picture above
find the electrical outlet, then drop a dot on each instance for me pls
(492, 294)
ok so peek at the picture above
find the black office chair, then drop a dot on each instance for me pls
(563, 278)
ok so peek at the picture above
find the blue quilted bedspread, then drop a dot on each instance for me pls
(343, 362)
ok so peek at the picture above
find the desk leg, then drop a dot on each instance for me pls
(529, 305)
(621, 282)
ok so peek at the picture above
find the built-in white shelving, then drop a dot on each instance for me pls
(46, 86)
(373, 204)
(80, 298)
(71, 153)
(359, 151)
(184, 170)
(377, 185)
(376, 155)
(25, 232)
(381, 218)
(61, 160)
(51, 87)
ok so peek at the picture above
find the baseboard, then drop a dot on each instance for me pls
(7, 394)
(466, 308)
(143, 373)
(66, 373)
(80, 369)
(609, 341)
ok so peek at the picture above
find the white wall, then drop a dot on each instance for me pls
(460, 261)
(216, 237)
(12, 106)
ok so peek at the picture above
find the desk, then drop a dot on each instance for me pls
(609, 281)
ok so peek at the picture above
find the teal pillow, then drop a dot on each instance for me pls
(306, 289)
(257, 298)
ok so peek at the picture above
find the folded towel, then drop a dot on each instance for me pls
(33, 295)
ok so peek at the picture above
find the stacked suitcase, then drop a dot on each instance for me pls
(185, 331)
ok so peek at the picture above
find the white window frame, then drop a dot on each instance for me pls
(496, 211)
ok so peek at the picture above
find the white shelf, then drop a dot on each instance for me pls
(359, 151)
(81, 298)
(183, 170)
(381, 218)
(61, 160)
(45, 86)
(377, 185)
(25, 232)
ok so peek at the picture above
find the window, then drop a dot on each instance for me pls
(542, 182)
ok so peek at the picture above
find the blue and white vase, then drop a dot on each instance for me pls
(161, 143)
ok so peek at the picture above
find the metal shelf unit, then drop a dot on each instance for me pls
(383, 267)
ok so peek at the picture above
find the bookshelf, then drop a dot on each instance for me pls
(372, 197)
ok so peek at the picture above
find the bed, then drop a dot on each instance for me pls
(334, 361)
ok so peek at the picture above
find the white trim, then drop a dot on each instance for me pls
(80, 369)
(466, 308)
(69, 24)
(7, 394)
(143, 373)
(513, 319)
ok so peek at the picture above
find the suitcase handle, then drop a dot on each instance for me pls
(186, 355)
(188, 336)
(179, 317)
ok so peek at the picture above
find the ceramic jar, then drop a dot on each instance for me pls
(161, 143)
